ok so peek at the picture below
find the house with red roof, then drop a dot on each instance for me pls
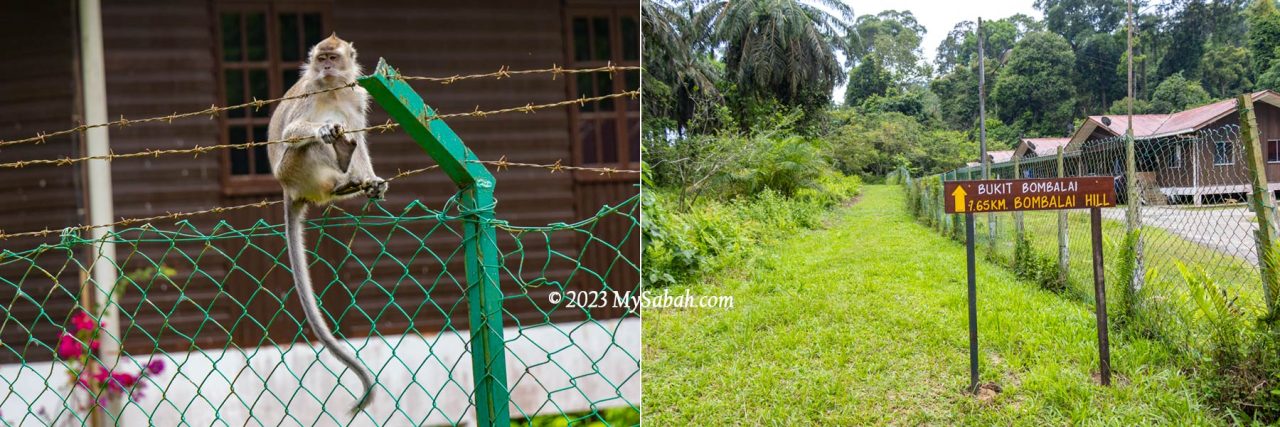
(993, 158)
(1186, 156)
(1036, 156)
(1039, 147)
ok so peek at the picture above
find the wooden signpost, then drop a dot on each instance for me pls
(1006, 195)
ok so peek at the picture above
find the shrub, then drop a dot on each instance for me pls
(680, 245)
(1036, 268)
(1242, 356)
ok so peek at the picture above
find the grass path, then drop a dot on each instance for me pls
(864, 322)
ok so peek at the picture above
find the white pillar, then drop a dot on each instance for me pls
(101, 211)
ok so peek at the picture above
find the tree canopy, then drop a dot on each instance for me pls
(782, 49)
(735, 66)
(894, 37)
(1034, 90)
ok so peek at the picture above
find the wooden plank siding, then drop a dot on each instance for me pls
(1268, 128)
(1198, 168)
(161, 60)
(38, 94)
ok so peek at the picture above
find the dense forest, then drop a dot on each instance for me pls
(717, 68)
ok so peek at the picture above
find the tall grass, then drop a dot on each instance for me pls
(682, 244)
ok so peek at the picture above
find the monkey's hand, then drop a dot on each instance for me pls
(329, 133)
(375, 188)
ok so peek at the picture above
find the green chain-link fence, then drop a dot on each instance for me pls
(464, 318)
(1193, 201)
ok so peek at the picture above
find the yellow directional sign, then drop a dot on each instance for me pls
(959, 196)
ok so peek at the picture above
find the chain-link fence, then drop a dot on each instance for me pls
(461, 316)
(391, 282)
(1191, 192)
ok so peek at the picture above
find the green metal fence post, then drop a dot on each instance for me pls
(484, 296)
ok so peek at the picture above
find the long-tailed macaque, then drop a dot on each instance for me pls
(325, 166)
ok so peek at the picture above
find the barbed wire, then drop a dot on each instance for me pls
(506, 72)
(213, 111)
(501, 163)
(558, 166)
(527, 108)
(180, 215)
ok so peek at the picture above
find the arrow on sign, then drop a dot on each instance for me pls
(959, 196)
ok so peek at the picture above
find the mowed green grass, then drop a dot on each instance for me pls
(864, 322)
(1163, 250)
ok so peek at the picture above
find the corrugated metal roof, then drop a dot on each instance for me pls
(1149, 125)
(1000, 156)
(1046, 146)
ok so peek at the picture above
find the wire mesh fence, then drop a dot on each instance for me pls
(462, 317)
(209, 332)
(1190, 200)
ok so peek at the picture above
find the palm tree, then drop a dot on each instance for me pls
(679, 75)
(786, 49)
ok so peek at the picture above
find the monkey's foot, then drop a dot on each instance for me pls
(375, 188)
(329, 133)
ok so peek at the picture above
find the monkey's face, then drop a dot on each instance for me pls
(333, 59)
(331, 64)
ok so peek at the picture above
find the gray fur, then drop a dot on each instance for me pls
(328, 165)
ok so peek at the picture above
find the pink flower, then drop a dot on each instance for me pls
(120, 381)
(81, 322)
(69, 347)
(82, 380)
(155, 366)
(100, 374)
(94, 345)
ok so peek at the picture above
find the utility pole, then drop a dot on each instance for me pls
(982, 127)
(1134, 222)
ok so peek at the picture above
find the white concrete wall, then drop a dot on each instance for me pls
(416, 387)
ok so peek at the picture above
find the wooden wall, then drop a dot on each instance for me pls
(161, 60)
(37, 94)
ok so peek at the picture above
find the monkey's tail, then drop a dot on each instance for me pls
(293, 213)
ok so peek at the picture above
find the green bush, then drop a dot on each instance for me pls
(1242, 361)
(682, 244)
(785, 165)
(1036, 268)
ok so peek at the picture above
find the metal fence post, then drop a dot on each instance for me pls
(1133, 213)
(1017, 216)
(484, 298)
(1262, 202)
(1064, 266)
(476, 184)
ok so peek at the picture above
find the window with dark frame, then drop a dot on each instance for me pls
(1223, 153)
(1175, 157)
(260, 48)
(606, 132)
(1273, 151)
